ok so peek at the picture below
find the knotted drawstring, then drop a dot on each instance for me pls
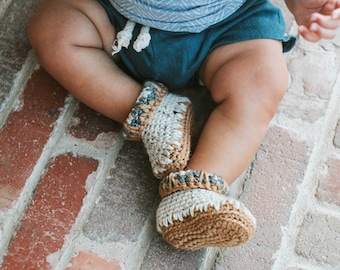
(124, 37)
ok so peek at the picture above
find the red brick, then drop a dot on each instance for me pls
(84, 118)
(318, 239)
(26, 132)
(315, 84)
(51, 214)
(126, 199)
(329, 184)
(86, 260)
(163, 256)
(269, 193)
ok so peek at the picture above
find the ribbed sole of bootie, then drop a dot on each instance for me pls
(198, 218)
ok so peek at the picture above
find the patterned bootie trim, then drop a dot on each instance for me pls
(197, 218)
(185, 180)
(147, 102)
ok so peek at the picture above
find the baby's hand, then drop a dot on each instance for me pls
(317, 19)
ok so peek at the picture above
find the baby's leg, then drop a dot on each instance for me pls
(72, 40)
(247, 80)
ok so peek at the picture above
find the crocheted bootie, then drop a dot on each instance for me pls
(195, 212)
(163, 122)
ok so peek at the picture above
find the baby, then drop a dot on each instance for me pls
(121, 57)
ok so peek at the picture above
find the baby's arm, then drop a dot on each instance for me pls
(317, 19)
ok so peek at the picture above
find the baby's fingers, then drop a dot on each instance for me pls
(308, 35)
(336, 13)
(322, 32)
(315, 32)
(321, 26)
(325, 21)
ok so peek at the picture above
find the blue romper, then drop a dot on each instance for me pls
(184, 32)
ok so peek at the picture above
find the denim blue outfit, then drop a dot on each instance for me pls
(174, 56)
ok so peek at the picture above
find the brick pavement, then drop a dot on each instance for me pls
(74, 195)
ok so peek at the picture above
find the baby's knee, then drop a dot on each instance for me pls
(42, 29)
(264, 96)
(277, 78)
(34, 31)
(63, 25)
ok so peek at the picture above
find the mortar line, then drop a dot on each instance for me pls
(307, 188)
(89, 201)
(4, 8)
(18, 87)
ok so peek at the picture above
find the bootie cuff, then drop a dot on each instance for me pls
(147, 102)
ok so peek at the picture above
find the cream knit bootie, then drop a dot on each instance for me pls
(163, 122)
(195, 212)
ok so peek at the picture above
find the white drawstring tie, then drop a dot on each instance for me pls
(124, 37)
